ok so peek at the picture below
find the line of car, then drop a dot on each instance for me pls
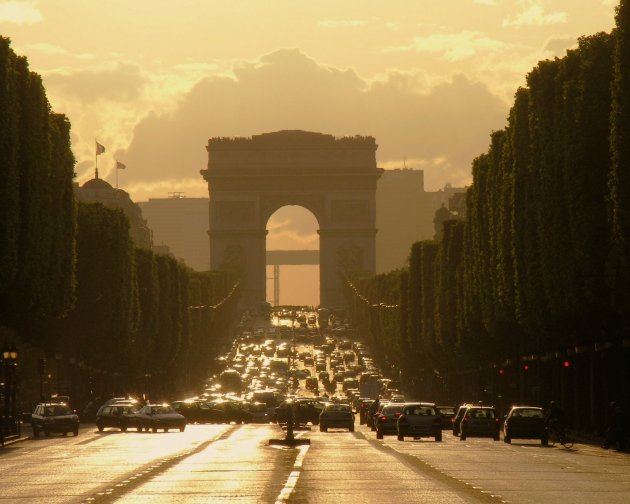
(422, 419)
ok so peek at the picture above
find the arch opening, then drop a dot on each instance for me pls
(292, 250)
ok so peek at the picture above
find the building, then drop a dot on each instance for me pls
(99, 191)
(404, 215)
(180, 224)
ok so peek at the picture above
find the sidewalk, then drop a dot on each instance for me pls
(13, 439)
(593, 440)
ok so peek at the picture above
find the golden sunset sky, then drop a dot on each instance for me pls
(153, 80)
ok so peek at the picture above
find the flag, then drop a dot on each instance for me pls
(99, 149)
(120, 166)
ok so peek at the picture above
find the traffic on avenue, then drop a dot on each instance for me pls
(298, 411)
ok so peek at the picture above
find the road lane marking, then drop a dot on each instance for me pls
(112, 494)
(292, 480)
(465, 489)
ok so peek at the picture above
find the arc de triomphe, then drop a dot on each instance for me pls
(335, 178)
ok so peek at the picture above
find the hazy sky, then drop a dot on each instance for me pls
(153, 80)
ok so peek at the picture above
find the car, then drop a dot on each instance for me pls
(159, 416)
(525, 422)
(419, 420)
(336, 416)
(374, 412)
(305, 410)
(230, 410)
(260, 413)
(350, 383)
(363, 408)
(312, 383)
(54, 418)
(457, 419)
(197, 411)
(480, 421)
(447, 413)
(119, 416)
(386, 422)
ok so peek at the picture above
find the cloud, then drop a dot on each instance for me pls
(533, 14)
(53, 50)
(21, 13)
(453, 46)
(487, 2)
(288, 90)
(558, 46)
(341, 23)
(122, 83)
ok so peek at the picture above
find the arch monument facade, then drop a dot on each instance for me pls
(335, 178)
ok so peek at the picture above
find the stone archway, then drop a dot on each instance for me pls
(335, 178)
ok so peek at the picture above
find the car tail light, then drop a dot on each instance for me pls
(383, 418)
(452, 420)
(497, 420)
(396, 415)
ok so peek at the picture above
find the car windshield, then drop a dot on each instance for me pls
(258, 407)
(394, 408)
(527, 413)
(447, 411)
(57, 410)
(419, 410)
(338, 407)
(161, 409)
(481, 413)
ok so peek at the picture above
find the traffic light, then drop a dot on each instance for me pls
(566, 364)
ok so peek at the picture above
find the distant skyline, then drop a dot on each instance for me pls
(153, 80)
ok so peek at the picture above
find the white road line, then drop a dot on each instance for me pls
(292, 480)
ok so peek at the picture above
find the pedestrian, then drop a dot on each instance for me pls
(615, 433)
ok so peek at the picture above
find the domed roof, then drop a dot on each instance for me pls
(96, 183)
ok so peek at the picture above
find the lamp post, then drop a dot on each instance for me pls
(11, 422)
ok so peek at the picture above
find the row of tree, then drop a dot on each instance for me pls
(540, 263)
(143, 314)
(37, 209)
(73, 284)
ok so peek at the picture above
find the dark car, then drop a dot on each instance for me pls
(459, 415)
(231, 411)
(305, 410)
(447, 413)
(159, 416)
(480, 421)
(419, 420)
(386, 422)
(336, 416)
(364, 407)
(198, 411)
(54, 417)
(525, 422)
(118, 416)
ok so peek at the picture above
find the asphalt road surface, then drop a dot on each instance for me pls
(234, 463)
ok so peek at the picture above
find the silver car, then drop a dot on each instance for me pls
(419, 420)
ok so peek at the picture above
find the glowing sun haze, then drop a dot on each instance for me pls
(153, 80)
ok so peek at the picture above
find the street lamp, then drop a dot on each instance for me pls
(10, 420)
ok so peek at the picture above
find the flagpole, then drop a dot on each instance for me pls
(116, 174)
(95, 158)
